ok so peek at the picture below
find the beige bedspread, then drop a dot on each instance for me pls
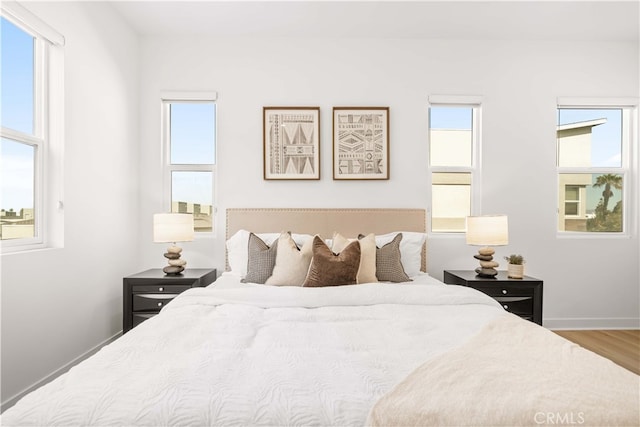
(513, 373)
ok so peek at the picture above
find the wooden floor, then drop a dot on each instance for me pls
(621, 346)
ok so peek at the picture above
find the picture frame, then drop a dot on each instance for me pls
(360, 143)
(291, 143)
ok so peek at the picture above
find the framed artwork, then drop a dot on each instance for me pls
(360, 142)
(291, 142)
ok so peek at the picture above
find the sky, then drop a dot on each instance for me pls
(192, 142)
(450, 118)
(605, 146)
(606, 139)
(16, 111)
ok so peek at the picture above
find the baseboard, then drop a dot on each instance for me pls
(12, 400)
(592, 323)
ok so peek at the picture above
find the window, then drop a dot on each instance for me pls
(190, 145)
(453, 146)
(31, 63)
(572, 200)
(593, 148)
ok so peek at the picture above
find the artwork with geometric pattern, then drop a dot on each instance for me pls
(291, 138)
(361, 143)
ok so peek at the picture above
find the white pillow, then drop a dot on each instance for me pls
(238, 248)
(410, 249)
(292, 264)
(367, 269)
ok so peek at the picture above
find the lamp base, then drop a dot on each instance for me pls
(487, 264)
(486, 272)
(176, 265)
(169, 271)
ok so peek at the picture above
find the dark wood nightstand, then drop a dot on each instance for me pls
(145, 293)
(522, 297)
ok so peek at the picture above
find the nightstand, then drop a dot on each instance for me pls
(522, 297)
(145, 293)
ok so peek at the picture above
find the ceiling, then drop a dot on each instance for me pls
(463, 20)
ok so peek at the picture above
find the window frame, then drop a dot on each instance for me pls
(196, 97)
(47, 137)
(460, 101)
(627, 169)
(577, 201)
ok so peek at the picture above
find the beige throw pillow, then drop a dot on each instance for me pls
(292, 264)
(367, 268)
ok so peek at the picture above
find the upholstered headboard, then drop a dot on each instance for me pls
(348, 222)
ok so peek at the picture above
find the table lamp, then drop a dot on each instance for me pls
(172, 228)
(487, 231)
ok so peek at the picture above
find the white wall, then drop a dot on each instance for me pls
(59, 303)
(588, 282)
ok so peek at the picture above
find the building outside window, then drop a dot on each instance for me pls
(453, 153)
(190, 144)
(593, 150)
(31, 118)
(572, 205)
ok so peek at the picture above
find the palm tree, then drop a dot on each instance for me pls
(608, 180)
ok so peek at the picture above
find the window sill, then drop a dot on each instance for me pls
(27, 249)
(592, 235)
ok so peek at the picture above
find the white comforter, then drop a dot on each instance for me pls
(261, 355)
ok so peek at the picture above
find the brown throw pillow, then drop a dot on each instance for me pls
(367, 270)
(329, 269)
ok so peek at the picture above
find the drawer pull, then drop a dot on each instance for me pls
(160, 304)
(160, 289)
(504, 292)
(506, 307)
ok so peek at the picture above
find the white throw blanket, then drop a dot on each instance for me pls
(513, 374)
(261, 356)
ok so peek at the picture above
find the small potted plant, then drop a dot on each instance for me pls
(515, 269)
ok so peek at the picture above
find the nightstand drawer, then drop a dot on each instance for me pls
(151, 302)
(163, 289)
(517, 305)
(500, 291)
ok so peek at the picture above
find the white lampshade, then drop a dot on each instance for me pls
(172, 227)
(488, 230)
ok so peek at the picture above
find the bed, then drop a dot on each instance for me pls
(365, 352)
